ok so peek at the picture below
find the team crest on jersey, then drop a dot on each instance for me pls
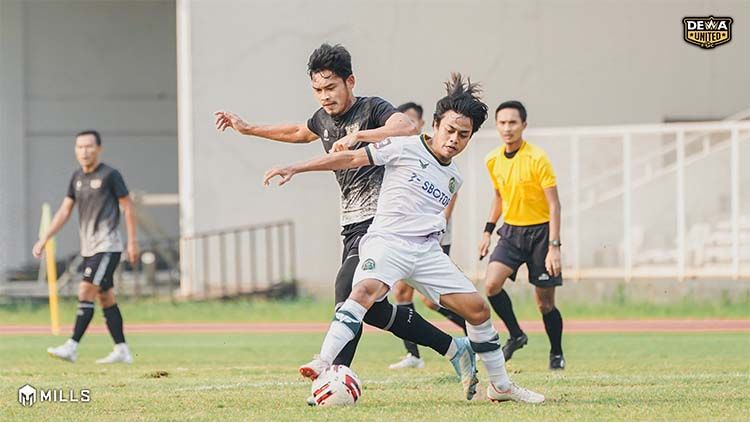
(79, 184)
(354, 127)
(326, 137)
(452, 185)
(368, 265)
(96, 183)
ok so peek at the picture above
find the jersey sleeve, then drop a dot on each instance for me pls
(72, 187)
(381, 110)
(386, 152)
(117, 184)
(545, 173)
(313, 124)
(490, 163)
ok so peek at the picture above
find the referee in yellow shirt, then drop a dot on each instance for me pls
(526, 195)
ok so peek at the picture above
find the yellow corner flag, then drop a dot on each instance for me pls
(49, 255)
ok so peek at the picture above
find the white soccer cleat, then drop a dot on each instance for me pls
(514, 393)
(408, 362)
(67, 351)
(314, 368)
(120, 354)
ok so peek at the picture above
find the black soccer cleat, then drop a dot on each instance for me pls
(514, 344)
(556, 362)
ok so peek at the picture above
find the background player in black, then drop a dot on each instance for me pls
(345, 121)
(100, 192)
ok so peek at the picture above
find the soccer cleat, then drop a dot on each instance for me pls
(513, 345)
(514, 393)
(408, 362)
(120, 354)
(465, 365)
(556, 362)
(314, 368)
(311, 401)
(66, 351)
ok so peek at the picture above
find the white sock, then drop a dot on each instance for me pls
(452, 349)
(484, 337)
(346, 322)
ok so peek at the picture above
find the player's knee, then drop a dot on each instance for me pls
(106, 299)
(478, 312)
(87, 291)
(493, 286)
(403, 293)
(545, 306)
(367, 292)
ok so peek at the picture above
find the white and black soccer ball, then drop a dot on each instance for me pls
(337, 386)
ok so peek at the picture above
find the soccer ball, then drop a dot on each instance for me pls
(338, 385)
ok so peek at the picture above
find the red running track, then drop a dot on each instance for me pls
(571, 326)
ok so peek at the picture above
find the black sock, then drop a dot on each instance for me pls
(83, 318)
(409, 325)
(453, 317)
(411, 347)
(346, 356)
(504, 308)
(114, 323)
(553, 324)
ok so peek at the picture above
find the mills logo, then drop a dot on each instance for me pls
(29, 395)
(708, 31)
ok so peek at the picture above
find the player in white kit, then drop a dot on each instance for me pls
(402, 242)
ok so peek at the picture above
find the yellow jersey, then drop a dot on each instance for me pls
(521, 181)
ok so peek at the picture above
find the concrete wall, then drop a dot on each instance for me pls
(581, 62)
(71, 65)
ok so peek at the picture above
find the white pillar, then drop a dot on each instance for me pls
(185, 144)
(575, 207)
(15, 248)
(681, 218)
(735, 184)
(627, 211)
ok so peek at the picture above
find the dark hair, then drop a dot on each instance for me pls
(411, 105)
(332, 58)
(462, 98)
(91, 132)
(513, 104)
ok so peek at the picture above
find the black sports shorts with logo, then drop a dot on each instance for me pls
(99, 269)
(350, 259)
(525, 244)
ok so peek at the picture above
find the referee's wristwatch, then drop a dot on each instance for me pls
(555, 242)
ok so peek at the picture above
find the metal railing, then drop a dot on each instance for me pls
(253, 259)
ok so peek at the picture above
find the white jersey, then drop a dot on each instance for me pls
(416, 187)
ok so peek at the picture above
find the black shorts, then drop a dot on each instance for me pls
(525, 244)
(99, 269)
(349, 259)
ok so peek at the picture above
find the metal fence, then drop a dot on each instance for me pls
(641, 201)
(243, 260)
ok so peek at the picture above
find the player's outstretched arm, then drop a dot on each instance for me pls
(128, 209)
(553, 261)
(61, 216)
(398, 125)
(292, 133)
(336, 161)
(496, 210)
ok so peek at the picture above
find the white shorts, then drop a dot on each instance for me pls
(389, 259)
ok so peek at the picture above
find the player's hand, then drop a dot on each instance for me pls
(286, 174)
(226, 120)
(484, 246)
(38, 247)
(133, 252)
(345, 143)
(553, 262)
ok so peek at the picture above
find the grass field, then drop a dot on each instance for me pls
(253, 377)
(311, 310)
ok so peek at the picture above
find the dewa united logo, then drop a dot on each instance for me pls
(707, 32)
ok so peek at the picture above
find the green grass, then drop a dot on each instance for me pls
(312, 310)
(253, 377)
